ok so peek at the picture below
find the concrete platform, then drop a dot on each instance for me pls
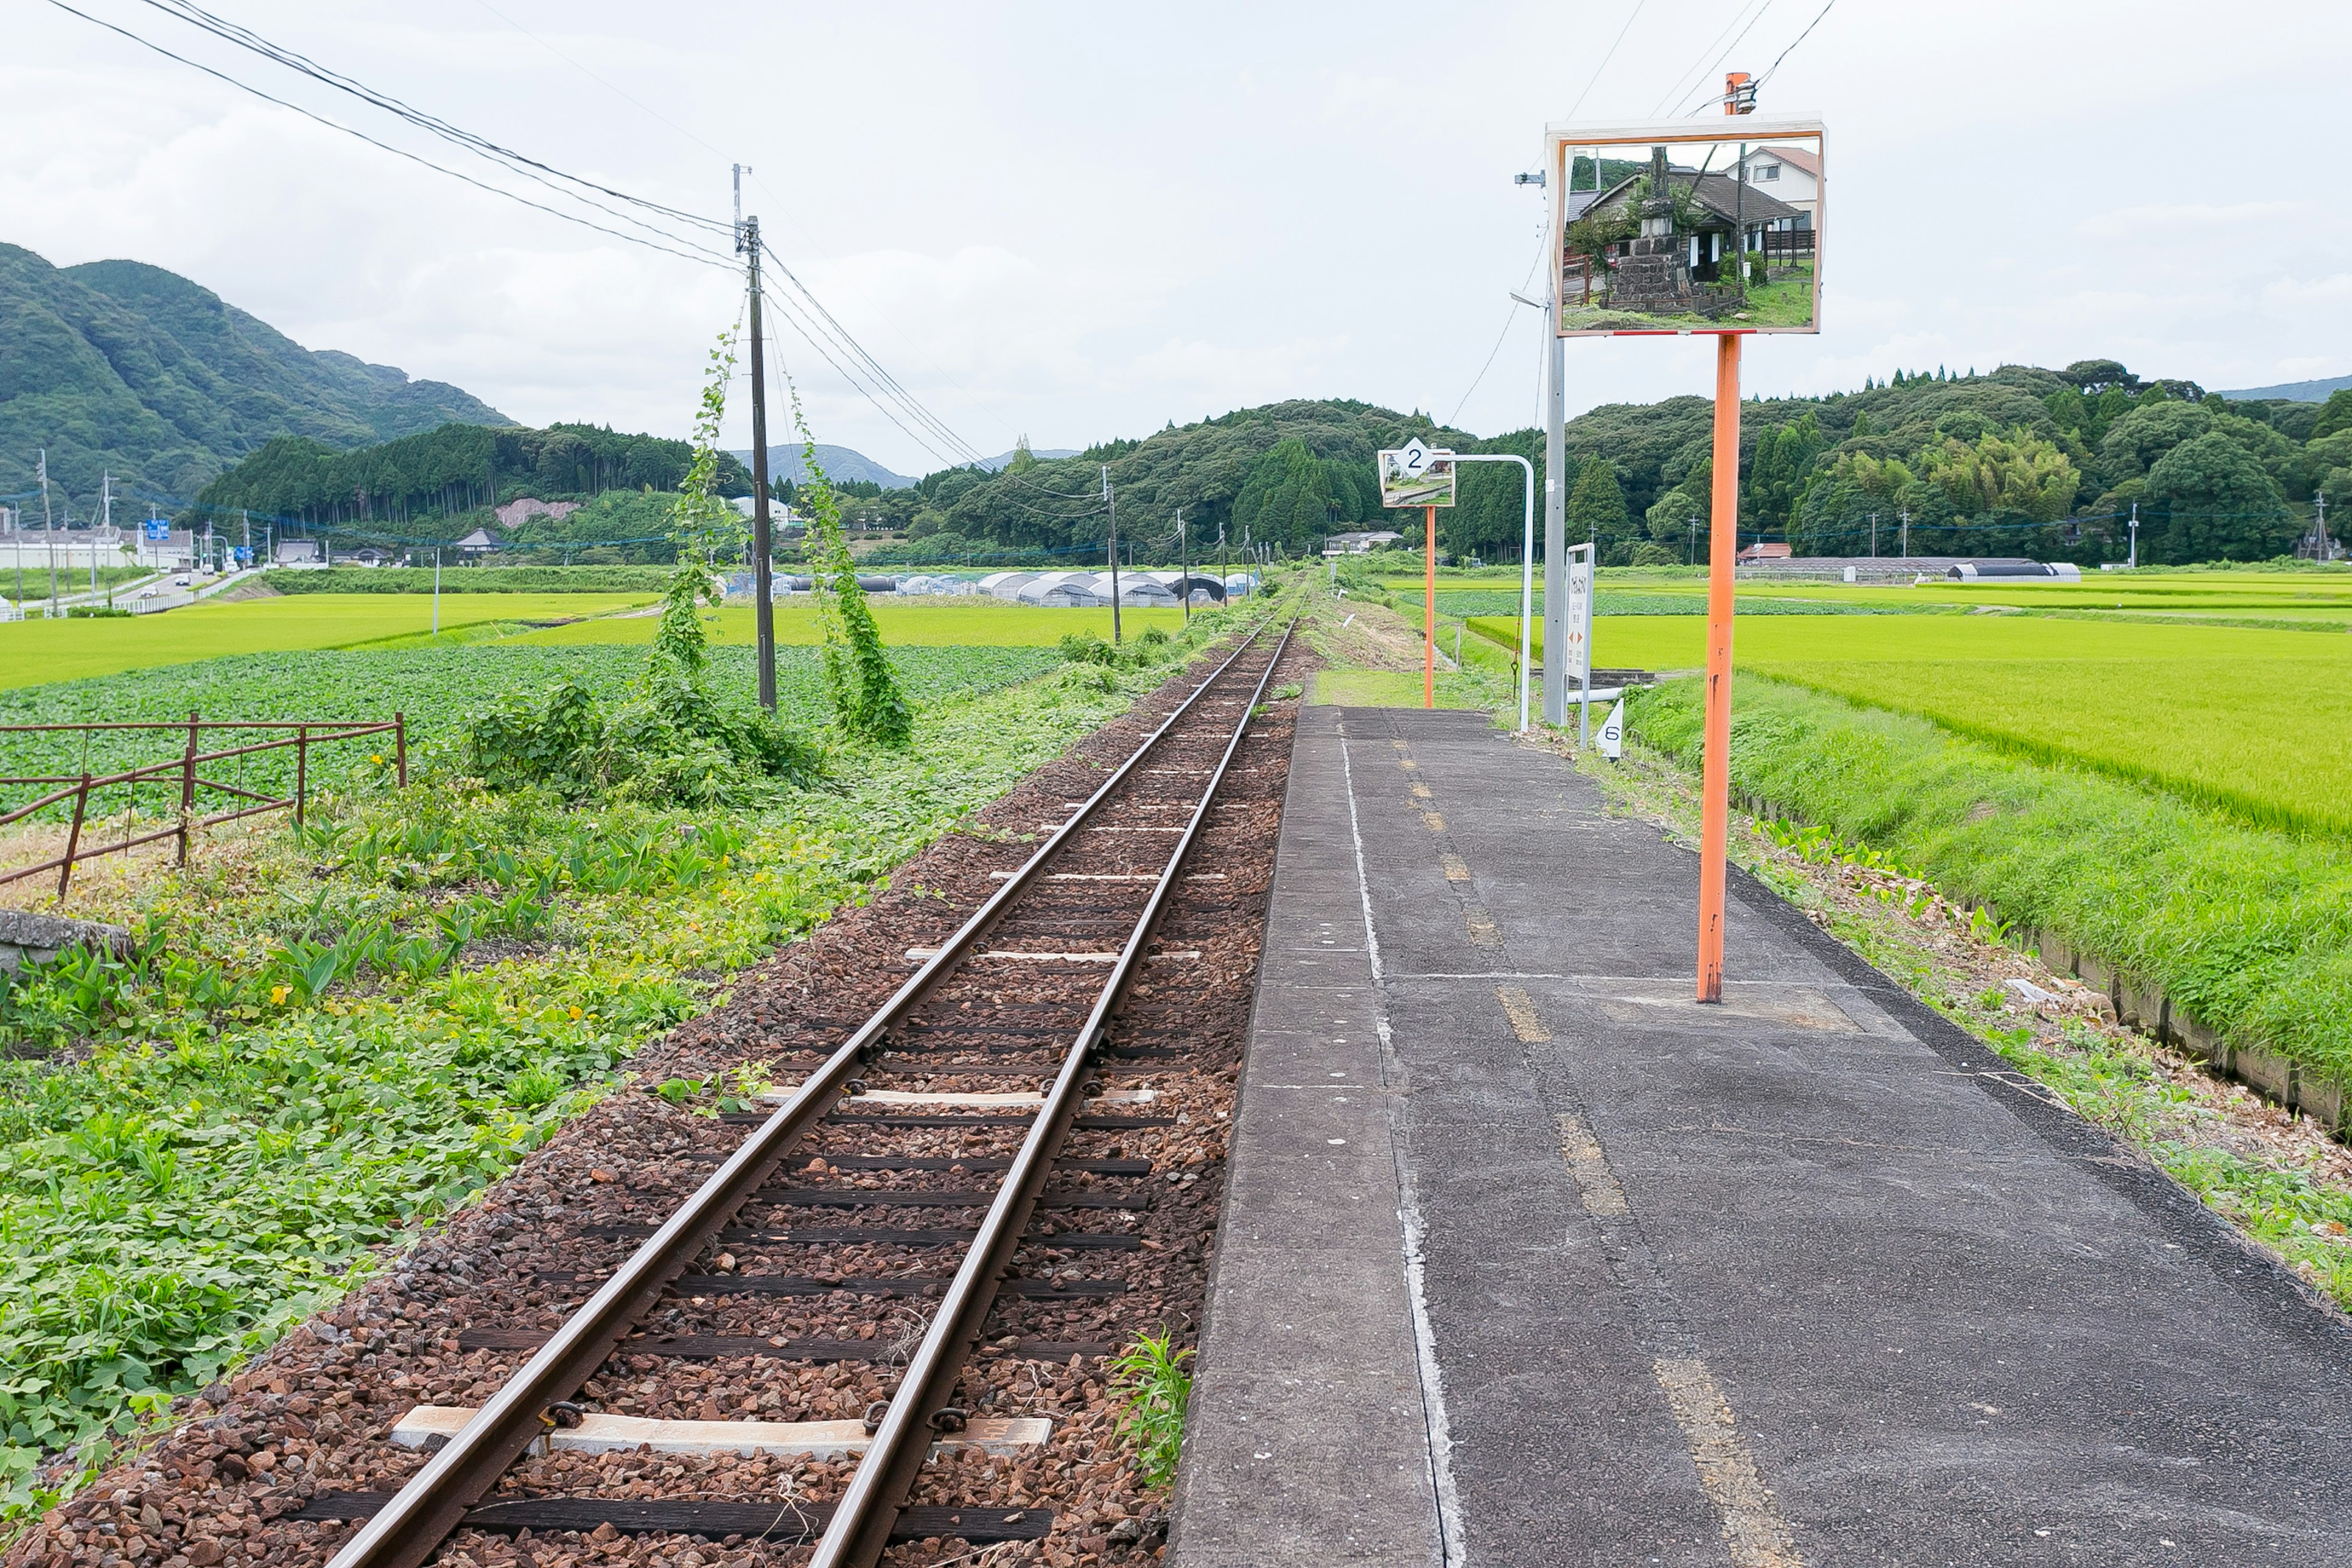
(1528, 1259)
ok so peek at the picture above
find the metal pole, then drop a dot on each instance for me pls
(400, 746)
(73, 837)
(1555, 545)
(1428, 612)
(437, 590)
(302, 770)
(1584, 641)
(1110, 504)
(763, 609)
(1715, 785)
(187, 785)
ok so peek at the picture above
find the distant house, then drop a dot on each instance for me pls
(299, 553)
(523, 508)
(1360, 543)
(1760, 550)
(478, 543)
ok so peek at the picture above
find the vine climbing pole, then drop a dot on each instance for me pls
(1715, 780)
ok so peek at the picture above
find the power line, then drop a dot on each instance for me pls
(1792, 49)
(1697, 71)
(706, 258)
(246, 38)
(1703, 84)
(1605, 59)
(600, 81)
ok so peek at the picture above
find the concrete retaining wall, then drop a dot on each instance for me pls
(27, 938)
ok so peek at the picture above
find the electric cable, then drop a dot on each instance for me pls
(1698, 71)
(1792, 49)
(246, 38)
(1606, 59)
(704, 257)
(1706, 103)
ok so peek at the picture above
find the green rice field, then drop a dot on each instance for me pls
(2258, 722)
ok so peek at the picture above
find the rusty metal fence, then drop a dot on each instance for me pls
(182, 769)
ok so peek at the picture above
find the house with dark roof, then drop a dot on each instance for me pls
(1710, 209)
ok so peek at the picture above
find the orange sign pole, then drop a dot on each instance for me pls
(1714, 779)
(1429, 617)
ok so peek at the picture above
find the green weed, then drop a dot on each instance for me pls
(1149, 1376)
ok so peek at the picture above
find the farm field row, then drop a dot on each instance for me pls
(913, 623)
(36, 652)
(2259, 722)
(2325, 597)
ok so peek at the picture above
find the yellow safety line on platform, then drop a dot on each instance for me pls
(1753, 1529)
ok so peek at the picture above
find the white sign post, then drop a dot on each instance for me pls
(1576, 657)
(1613, 732)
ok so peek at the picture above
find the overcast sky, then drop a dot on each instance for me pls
(1083, 221)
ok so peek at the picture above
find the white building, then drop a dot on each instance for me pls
(1791, 175)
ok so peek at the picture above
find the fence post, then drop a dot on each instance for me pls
(73, 838)
(301, 769)
(400, 745)
(187, 784)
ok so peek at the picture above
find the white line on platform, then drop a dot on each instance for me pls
(1450, 1540)
(601, 1433)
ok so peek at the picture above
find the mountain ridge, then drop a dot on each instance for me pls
(126, 367)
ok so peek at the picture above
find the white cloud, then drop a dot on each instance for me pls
(1079, 223)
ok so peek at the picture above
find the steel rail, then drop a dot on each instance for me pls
(861, 1521)
(412, 1525)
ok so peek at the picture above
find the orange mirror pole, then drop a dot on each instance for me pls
(1429, 615)
(1714, 781)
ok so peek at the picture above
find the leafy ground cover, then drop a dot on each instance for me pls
(2257, 722)
(434, 688)
(962, 622)
(2281, 1181)
(37, 652)
(329, 1037)
(2243, 928)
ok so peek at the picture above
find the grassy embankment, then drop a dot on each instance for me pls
(330, 1035)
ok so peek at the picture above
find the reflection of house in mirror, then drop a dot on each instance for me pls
(1667, 233)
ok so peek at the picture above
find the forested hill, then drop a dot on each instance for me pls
(118, 366)
(2023, 460)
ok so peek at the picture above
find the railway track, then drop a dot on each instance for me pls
(961, 1193)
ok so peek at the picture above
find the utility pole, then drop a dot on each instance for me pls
(1874, 536)
(106, 525)
(2132, 561)
(1555, 534)
(1906, 515)
(763, 609)
(1110, 504)
(48, 532)
(1184, 558)
(437, 590)
(1224, 569)
(2320, 500)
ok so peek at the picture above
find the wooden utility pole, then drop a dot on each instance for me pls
(1184, 557)
(763, 608)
